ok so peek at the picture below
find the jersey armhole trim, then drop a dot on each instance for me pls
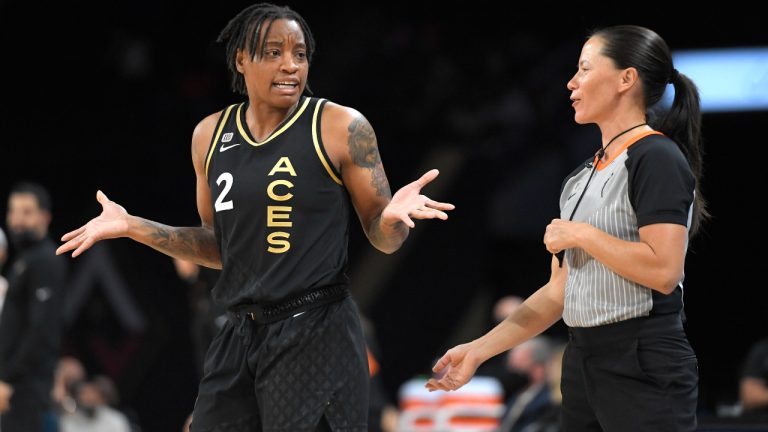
(318, 142)
(215, 139)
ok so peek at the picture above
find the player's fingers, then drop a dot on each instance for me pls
(427, 177)
(428, 214)
(101, 197)
(83, 247)
(439, 205)
(72, 234)
(408, 221)
(70, 245)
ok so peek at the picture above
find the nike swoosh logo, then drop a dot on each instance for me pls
(225, 148)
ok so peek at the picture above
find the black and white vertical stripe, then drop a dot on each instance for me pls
(649, 182)
(595, 295)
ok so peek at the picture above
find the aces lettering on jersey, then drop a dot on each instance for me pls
(278, 213)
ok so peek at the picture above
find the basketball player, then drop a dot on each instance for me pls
(276, 176)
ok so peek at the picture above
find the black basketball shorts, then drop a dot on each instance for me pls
(285, 376)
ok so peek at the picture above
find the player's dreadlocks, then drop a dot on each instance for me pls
(246, 27)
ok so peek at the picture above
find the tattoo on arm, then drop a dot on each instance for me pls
(383, 242)
(196, 244)
(365, 154)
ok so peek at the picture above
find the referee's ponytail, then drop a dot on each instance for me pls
(643, 49)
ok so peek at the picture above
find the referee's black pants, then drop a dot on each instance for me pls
(635, 375)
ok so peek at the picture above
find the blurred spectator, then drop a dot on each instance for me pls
(93, 413)
(549, 420)
(530, 358)
(753, 389)
(3, 281)
(30, 325)
(69, 372)
(207, 317)
(505, 306)
(554, 372)
(6, 392)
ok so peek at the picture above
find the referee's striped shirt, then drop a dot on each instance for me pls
(648, 182)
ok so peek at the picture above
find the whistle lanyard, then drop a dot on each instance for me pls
(600, 153)
(561, 255)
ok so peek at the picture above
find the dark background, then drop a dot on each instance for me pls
(106, 97)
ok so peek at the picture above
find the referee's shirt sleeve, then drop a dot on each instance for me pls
(661, 183)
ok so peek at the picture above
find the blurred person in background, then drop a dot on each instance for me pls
(208, 318)
(6, 391)
(94, 412)
(69, 372)
(753, 387)
(31, 322)
(530, 358)
(3, 257)
(292, 355)
(619, 248)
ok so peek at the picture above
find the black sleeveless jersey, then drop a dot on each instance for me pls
(281, 213)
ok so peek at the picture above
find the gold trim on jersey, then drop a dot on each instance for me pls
(317, 144)
(274, 134)
(222, 123)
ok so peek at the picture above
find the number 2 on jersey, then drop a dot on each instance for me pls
(228, 180)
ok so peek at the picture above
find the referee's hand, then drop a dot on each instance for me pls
(454, 369)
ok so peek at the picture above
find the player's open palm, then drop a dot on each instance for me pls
(408, 203)
(111, 223)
